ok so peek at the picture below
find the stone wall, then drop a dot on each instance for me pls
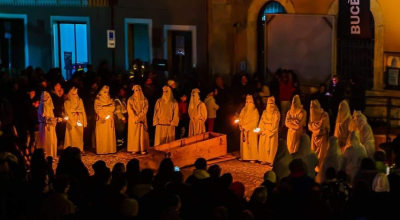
(231, 45)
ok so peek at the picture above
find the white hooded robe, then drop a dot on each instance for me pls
(269, 124)
(352, 157)
(104, 107)
(366, 135)
(197, 114)
(319, 126)
(295, 121)
(47, 125)
(332, 159)
(75, 111)
(342, 127)
(308, 156)
(282, 161)
(166, 117)
(248, 121)
(138, 136)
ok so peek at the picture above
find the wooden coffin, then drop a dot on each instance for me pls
(185, 151)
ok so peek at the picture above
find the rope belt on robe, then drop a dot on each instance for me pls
(321, 135)
(111, 119)
(166, 136)
(144, 125)
(245, 138)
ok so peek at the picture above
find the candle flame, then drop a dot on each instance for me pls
(66, 118)
(257, 130)
(79, 123)
(236, 121)
(107, 117)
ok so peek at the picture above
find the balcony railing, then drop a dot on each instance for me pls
(57, 3)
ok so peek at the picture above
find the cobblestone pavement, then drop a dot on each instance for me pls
(251, 175)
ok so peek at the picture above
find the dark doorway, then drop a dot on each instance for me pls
(12, 44)
(138, 43)
(179, 53)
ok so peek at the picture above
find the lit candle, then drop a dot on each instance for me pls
(236, 121)
(79, 123)
(66, 118)
(257, 130)
(107, 117)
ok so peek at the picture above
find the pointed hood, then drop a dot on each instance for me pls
(343, 112)
(167, 94)
(73, 97)
(271, 106)
(138, 98)
(194, 99)
(315, 111)
(46, 104)
(359, 119)
(296, 105)
(104, 96)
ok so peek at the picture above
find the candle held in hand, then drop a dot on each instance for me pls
(107, 117)
(79, 123)
(236, 121)
(257, 130)
(66, 118)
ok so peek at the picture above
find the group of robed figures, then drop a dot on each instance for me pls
(166, 118)
(259, 137)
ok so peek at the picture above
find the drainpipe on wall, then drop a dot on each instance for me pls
(112, 4)
(209, 74)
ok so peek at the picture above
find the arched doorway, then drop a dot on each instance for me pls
(271, 7)
(355, 58)
(378, 41)
(251, 29)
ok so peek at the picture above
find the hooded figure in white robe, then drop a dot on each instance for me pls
(104, 107)
(269, 124)
(47, 125)
(138, 135)
(319, 126)
(366, 135)
(308, 156)
(343, 123)
(333, 159)
(248, 121)
(166, 117)
(197, 114)
(76, 120)
(282, 161)
(295, 121)
(381, 183)
(352, 157)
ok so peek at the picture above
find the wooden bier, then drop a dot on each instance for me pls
(184, 152)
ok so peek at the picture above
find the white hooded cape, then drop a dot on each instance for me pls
(104, 107)
(47, 126)
(75, 111)
(166, 117)
(138, 136)
(197, 114)
(248, 121)
(295, 121)
(269, 124)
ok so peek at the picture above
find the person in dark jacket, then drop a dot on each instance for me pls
(357, 95)
(336, 92)
(299, 179)
(58, 103)
(322, 97)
